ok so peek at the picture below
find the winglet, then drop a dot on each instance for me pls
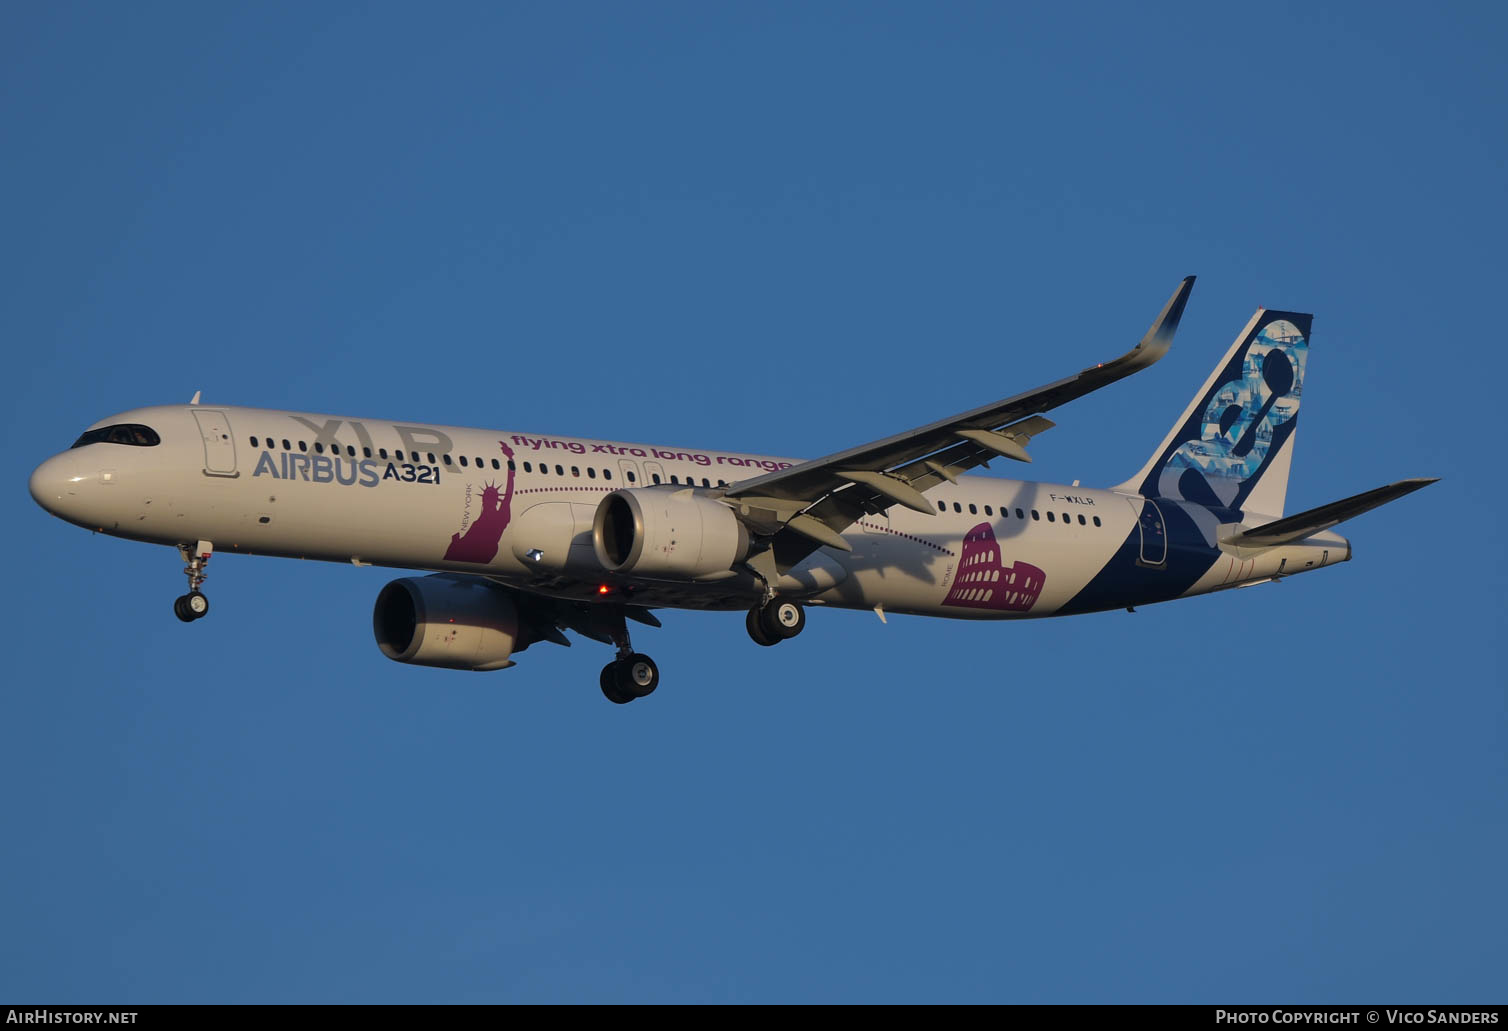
(1160, 334)
(195, 399)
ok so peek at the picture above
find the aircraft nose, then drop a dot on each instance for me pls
(55, 482)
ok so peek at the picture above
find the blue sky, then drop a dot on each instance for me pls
(785, 229)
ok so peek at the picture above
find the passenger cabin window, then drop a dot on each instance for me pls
(286, 446)
(632, 477)
(319, 448)
(656, 477)
(607, 474)
(576, 471)
(528, 468)
(1081, 519)
(447, 459)
(972, 509)
(560, 470)
(1050, 518)
(1036, 515)
(988, 510)
(1096, 520)
(957, 507)
(253, 441)
(1020, 514)
(130, 433)
(942, 506)
(302, 446)
(463, 461)
(591, 473)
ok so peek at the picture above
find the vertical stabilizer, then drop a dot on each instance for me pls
(1233, 446)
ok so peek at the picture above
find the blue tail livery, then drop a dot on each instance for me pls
(1234, 444)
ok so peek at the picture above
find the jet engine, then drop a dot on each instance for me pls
(446, 621)
(667, 534)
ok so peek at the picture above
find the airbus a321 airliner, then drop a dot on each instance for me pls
(524, 536)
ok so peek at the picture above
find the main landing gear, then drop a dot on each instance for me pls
(775, 621)
(194, 605)
(631, 675)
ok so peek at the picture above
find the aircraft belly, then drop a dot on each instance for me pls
(350, 512)
(1128, 577)
(992, 569)
(310, 520)
(1238, 567)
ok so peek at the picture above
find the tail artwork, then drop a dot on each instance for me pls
(1233, 446)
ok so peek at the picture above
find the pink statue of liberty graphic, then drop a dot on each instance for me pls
(480, 541)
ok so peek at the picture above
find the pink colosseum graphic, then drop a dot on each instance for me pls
(983, 581)
(479, 543)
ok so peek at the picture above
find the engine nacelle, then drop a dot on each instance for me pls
(672, 534)
(447, 621)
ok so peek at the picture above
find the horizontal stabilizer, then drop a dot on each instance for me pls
(1307, 524)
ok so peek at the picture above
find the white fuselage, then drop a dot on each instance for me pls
(444, 498)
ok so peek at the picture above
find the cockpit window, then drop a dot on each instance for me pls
(126, 433)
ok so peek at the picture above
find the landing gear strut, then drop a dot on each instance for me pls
(194, 605)
(775, 621)
(632, 674)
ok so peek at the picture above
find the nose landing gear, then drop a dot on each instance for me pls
(191, 606)
(194, 605)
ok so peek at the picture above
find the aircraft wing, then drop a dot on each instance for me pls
(1306, 524)
(810, 504)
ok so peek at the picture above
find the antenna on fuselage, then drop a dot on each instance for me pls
(195, 399)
